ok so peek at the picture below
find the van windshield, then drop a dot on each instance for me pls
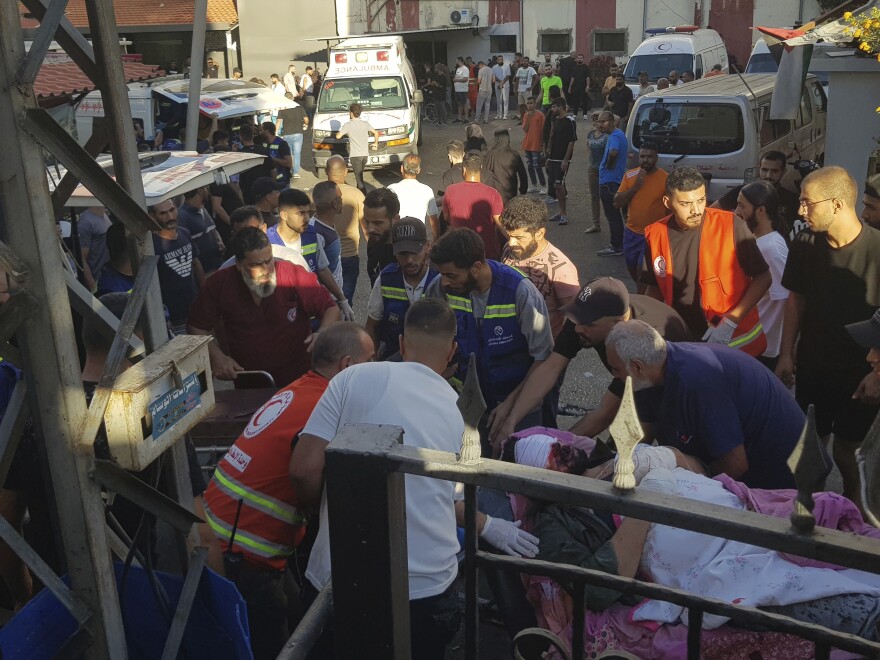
(696, 129)
(372, 93)
(657, 65)
(762, 63)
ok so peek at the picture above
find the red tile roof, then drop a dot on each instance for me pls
(63, 78)
(139, 13)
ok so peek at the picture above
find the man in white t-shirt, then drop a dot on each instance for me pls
(460, 86)
(525, 76)
(372, 394)
(758, 205)
(416, 199)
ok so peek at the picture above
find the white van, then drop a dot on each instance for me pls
(227, 98)
(721, 126)
(761, 60)
(683, 48)
(374, 72)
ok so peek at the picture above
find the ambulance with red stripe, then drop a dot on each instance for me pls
(374, 72)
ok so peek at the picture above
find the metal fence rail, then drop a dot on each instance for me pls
(365, 468)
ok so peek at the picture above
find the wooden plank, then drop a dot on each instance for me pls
(12, 426)
(39, 124)
(96, 143)
(27, 72)
(370, 586)
(118, 350)
(87, 306)
(13, 312)
(69, 38)
(829, 545)
(184, 605)
(43, 571)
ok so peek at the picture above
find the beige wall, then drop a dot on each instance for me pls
(264, 49)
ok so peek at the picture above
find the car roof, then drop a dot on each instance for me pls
(731, 84)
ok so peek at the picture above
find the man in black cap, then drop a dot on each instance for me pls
(601, 304)
(871, 201)
(398, 285)
(265, 193)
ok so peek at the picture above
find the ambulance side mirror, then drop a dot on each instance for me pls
(418, 97)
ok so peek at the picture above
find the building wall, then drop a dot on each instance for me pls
(272, 37)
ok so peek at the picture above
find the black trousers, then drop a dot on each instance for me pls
(263, 592)
(358, 163)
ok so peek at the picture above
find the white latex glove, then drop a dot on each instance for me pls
(659, 480)
(345, 308)
(509, 538)
(721, 333)
(646, 458)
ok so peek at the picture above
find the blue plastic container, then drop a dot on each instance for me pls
(217, 627)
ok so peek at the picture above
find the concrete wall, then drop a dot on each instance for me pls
(853, 122)
(273, 36)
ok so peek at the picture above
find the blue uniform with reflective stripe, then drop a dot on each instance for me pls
(502, 350)
(308, 243)
(395, 304)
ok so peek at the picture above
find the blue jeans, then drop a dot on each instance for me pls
(536, 172)
(615, 219)
(351, 269)
(295, 142)
(633, 251)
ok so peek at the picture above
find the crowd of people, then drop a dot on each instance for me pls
(739, 316)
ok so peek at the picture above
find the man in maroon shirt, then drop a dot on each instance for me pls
(266, 308)
(476, 206)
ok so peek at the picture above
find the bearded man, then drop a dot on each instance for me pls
(266, 306)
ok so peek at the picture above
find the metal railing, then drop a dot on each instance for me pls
(365, 468)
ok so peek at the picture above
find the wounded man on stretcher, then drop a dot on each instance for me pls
(845, 600)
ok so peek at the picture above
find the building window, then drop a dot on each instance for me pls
(555, 42)
(502, 43)
(609, 42)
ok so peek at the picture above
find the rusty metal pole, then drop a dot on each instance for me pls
(196, 60)
(58, 402)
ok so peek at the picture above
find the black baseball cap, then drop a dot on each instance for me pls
(600, 297)
(263, 186)
(408, 235)
(866, 333)
(872, 186)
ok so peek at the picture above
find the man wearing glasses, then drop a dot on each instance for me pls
(833, 274)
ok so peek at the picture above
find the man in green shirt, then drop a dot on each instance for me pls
(548, 80)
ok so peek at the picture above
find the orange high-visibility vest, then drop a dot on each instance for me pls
(255, 472)
(722, 281)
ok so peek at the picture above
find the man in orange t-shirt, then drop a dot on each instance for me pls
(533, 125)
(641, 192)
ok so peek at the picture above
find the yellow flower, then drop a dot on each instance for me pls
(847, 15)
(857, 34)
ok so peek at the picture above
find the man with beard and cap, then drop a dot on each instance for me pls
(180, 271)
(718, 404)
(600, 305)
(871, 201)
(757, 206)
(502, 319)
(399, 285)
(833, 276)
(381, 211)
(706, 265)
(504, 169)
(552, 273)
(265, 306)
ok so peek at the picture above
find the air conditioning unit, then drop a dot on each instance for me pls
(461, 16)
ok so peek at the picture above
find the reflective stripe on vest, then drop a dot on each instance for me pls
(499, 311)
(462, 304)
(255, 499)
(247, 540)
(395, 305)
(394, 293)
(722, 280)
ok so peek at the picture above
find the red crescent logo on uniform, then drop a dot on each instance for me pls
(660, 266)
(270, 411)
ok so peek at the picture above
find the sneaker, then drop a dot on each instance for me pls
(504, 118)
(532, 190)
(563, 219)
(297, 176)
(550, 200)
(543, 190)
(555, 218)
(497, 116)
(610, 251)
(592, 229)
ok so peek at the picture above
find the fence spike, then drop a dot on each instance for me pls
(626, 429)
(472, 406)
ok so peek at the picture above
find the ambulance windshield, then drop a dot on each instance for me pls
(372, 93)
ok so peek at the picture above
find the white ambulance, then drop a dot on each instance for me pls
(374, 72)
